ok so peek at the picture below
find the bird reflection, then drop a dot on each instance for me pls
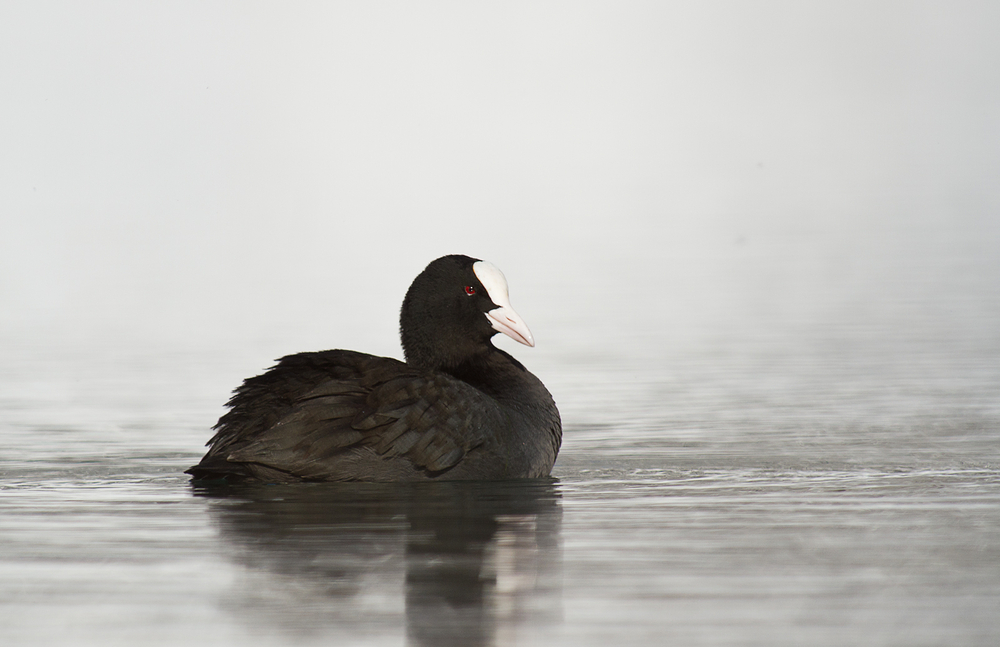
(464, 563)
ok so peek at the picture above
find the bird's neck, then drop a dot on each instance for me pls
(492, 371)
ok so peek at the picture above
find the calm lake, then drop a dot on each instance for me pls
(801, 457)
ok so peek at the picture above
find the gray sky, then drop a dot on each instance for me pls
(233, 166)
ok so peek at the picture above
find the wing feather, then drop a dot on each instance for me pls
(356, 409)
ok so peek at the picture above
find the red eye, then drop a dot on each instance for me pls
(470, 290)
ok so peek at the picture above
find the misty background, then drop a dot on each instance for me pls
(756, 243)
(200, 174)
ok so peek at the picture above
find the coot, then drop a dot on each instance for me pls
(458, 408)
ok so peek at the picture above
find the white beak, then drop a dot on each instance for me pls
(503, 319)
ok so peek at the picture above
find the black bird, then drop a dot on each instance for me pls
(459, 408)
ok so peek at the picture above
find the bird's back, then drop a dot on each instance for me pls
(342, 415)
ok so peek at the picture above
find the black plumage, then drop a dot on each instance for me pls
(458, 408)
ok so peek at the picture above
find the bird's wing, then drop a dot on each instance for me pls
(366, 408)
